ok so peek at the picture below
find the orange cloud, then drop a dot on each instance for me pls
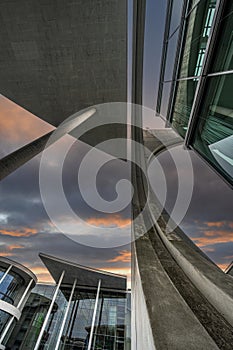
(19, 125)
(25, 232)
(215, 223)
(223, 266)
(111, 220)
(9, 250)
(15, 246)
(125, 256)
(214, 237)
(41, 273)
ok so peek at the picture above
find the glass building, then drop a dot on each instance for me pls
(16, 283)
(196, 78)
(85, 309)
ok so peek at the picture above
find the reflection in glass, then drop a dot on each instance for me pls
(4, 318)
(165, 99)
(197, 33)
(171, 53)
(183, 104)
(223, 57)
(214, 133)
(176, 15)
(109, 328)
(10, 287)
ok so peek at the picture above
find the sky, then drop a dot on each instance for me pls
(26, 229)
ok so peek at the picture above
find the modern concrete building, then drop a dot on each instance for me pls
(185, 299)
(61, 57)
(85, 308)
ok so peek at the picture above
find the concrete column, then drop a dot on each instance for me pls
(22, 155)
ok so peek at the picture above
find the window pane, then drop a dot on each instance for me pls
(214, 133)
(165, 99)
(198, 29)
(171, 53)
(176, 15)
(183, 105)
(223, 54)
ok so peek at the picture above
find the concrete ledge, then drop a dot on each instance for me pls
(213, 283)
(173, 324)
(10, 309)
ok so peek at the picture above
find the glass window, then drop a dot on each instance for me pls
(176, 15)
(109, 329)
(199, 24)
(183, 104)
(4, 318)
(214, 133)
(10, 287)
(165, 99)
(170, 59)
(223, 54)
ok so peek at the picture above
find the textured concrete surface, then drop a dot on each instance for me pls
(58, 57)
(176, 279)
(14, 160)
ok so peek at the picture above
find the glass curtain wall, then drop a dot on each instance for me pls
(198, 24)
(213, 134)
(10, 287)
(109, 328)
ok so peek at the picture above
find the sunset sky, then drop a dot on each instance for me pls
(26, 229)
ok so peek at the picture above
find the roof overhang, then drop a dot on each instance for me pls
(86, 276)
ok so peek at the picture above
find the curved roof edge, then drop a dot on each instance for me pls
(22, 270)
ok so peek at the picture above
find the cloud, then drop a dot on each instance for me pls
(23, 232)
(124, 256)
(18, 126)
(215, 223)
(41, 273)
(9, 250)
(109, 221)
(223, 266)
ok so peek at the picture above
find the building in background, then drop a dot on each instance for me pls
(16, 283)
(85, 309)
(196, 79)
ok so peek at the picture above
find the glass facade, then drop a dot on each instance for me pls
(10, 287)
(207, 96)
(214, 131)
(109, 328)
(4, 318)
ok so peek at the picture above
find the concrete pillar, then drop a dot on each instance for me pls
(13, 161)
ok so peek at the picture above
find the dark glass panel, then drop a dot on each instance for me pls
(171, 53)
(223, 52)
(10, 288)
(4, 318)
(183, 104)
(165, 99)
(176, 15)
(198, 28)
(214, 132)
